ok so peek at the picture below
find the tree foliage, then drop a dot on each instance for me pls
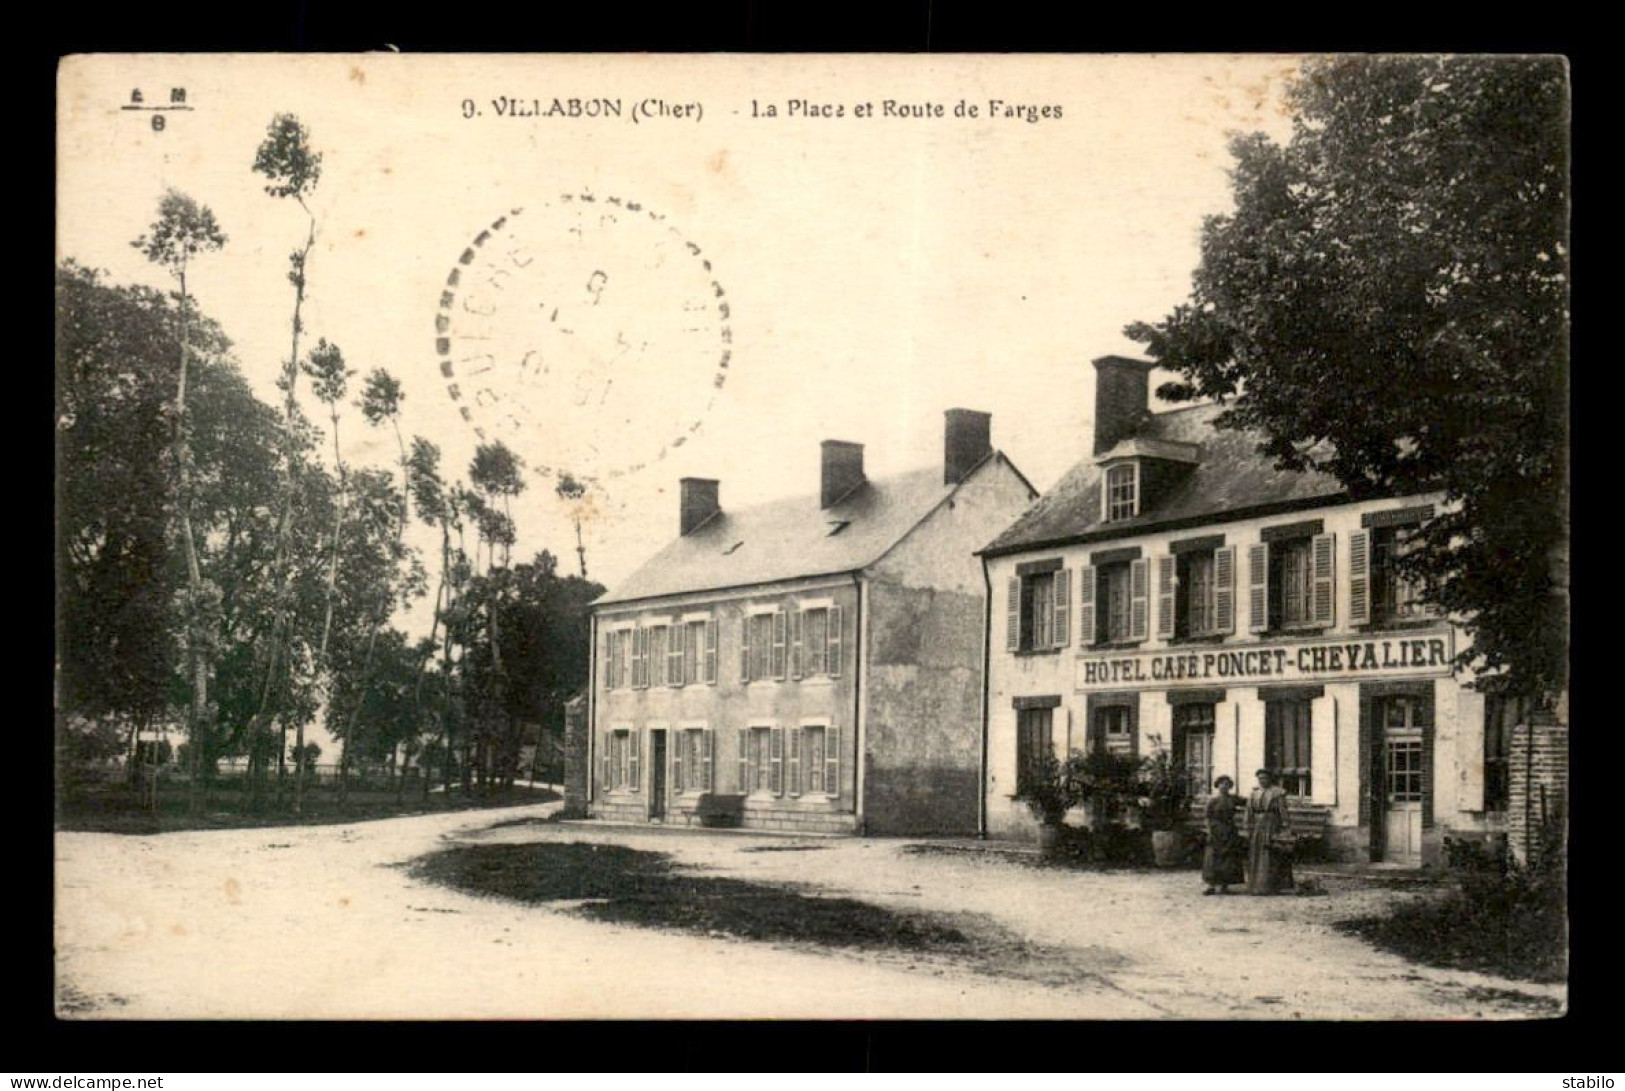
(286, 160)
(1388, 302)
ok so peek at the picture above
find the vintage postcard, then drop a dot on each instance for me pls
(733, 536)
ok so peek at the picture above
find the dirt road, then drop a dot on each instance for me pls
(325, 922)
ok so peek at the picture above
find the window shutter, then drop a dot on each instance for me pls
(608, 768)
(1224, 589)
(679, 738)
(1360, 577)
(1012, 616)
(795, 761)
(634, 772)
(1139, 598)
(609, 660)
(1258, 587)
(832, 761)
(744, 648)
(776, 777)
(744, 759)
(637, 662)
(1166, 578)
(1323, 554)
(1063, 607)
(1322, 758)
(795, 643)
(781, 624)
(1087, 632)
(711, 651)
(709, 779)
(832, 659)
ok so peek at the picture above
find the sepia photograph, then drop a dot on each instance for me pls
(812, 537)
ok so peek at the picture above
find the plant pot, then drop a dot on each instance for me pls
(1049, 840)
(1169, 847)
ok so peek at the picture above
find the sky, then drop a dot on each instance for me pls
(876, 270)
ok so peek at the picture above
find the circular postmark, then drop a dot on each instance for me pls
(585, 332)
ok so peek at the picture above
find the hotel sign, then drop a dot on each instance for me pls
(1358, 658)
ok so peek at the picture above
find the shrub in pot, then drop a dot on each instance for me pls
(1053, 788)
(1165, 805)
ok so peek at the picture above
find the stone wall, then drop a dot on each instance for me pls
(577, 762)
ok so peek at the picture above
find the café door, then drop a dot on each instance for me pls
(1404, 779)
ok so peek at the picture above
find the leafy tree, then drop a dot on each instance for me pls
(330, 380)
(291, 169)
(115, 373)
(573, 492)
(1388, 304)
(183, 232)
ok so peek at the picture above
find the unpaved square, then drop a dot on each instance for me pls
(328, 922)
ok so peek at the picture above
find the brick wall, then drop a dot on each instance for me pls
(1538, 763)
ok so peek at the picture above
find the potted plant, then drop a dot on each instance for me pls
(1165, 804)
(1109, 784)
(1052, 790)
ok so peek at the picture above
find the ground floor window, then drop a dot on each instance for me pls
(761, 753)
(1286, 744)
(1193, 727)
(1114, 726)
(813, 755)
(621, 772)
(691, 761)
(1035, 740)
(1501, 715)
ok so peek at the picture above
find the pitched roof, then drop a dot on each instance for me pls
(1231, 477)
(791, 539)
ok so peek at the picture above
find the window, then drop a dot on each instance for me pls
(1122, 491)
(1501, 714)
(1193, 727)
(761, 753)
(1039, 607)
(1286, 744)
(815, 638)
(1403, 719)
(1038, 611)
(1114, 726)
(1290, 579)
(1393, 597)
(659, 655)
(763, 648)
(1293, 579)
(1115, 601)
(621, 765)
(618, 659)
(691, 761)
(1035, 740)
(693, 652)
(815, 762)
(1195, 589)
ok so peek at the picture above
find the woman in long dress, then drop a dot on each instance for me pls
(1225, 852)
(1269, 868)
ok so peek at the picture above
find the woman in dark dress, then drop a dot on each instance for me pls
(1269, 863)
(1222, 860)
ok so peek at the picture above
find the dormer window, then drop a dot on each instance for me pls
(1122, 491)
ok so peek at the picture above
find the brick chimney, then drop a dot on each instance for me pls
(841, 470)
(967, 438)
(699, 502)
(1121, 398)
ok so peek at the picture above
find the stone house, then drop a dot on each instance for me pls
(1174, 589)
(820, 657)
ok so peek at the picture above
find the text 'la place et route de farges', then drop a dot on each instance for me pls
(656, 109)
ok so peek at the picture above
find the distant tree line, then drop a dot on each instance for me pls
(227, 574)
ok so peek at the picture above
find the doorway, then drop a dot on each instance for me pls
(657, 775)
(1404, 760)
